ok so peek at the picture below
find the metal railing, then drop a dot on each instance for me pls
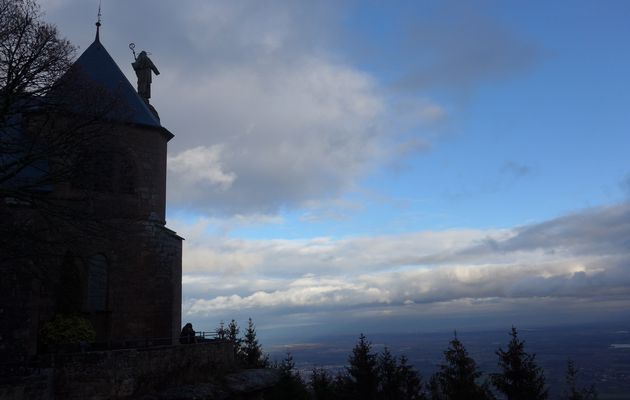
(205, 336)
(131, 343)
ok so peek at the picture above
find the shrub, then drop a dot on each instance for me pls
(67, 329)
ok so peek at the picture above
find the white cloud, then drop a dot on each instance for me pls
(200, 166)
(281, 136)
(266, 114)
(430, 268)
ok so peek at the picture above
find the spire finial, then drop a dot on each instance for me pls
(98, 21)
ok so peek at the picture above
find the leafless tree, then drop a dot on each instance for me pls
(32, 55)
(48, 126)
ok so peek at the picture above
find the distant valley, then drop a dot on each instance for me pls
(601, 352)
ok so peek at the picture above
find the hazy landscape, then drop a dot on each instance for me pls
(589, 346)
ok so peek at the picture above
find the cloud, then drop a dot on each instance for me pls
(266, 111)
(581, 256)
(288, 135)
(200, 166)
(294, 121)
(307, 291)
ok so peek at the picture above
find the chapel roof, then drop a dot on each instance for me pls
(97, 66)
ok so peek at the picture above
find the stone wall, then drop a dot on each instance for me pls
(115, 206)
(145, 284)
(121, 373)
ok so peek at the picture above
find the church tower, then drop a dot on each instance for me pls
(131, 276)
(88, 241)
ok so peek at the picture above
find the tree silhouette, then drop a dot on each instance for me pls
(222, 331)
(573, 392)
(409, 380)
(251, 349)
(323, 385)
(50, 119)
(389, 382)
(232, 335)
(291, 386)
(520, 377)
(457, 378)
(32, 56)
(362, 370)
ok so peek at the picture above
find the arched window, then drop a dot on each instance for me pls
(97, 283)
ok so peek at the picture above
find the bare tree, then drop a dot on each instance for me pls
(32, 54)
(49, 136)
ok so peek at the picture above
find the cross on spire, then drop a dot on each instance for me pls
(98, 21)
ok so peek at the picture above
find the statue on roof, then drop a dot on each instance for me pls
(143, 67)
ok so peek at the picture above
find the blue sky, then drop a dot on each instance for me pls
(348, 166)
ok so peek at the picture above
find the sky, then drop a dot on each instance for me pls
(369, 166)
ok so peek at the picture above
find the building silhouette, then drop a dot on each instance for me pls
(111, 259)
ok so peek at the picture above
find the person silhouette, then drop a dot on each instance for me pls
(188, 334)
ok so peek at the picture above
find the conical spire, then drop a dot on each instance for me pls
(98, 23)
(99, 69)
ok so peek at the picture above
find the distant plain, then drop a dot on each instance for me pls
(601, 352)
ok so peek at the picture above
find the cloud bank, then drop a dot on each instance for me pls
(581, 258)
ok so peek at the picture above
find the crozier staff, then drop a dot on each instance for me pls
(143, 67)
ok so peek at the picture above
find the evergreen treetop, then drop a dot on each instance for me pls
(362, 369)
(251, 349)
(457, 378)
(573, 392)
(520, 377)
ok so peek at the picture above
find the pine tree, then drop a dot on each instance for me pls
(520, 377)
(409, 380)
(222, 331)
(323, 385)
(362, 370)
(435, 390)
(388, 379)
(232, 335)
(457, 378)
(251, 349)
(572, 392)
(344, 387)
(291, 386)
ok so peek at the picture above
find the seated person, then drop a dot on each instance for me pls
(188, 334)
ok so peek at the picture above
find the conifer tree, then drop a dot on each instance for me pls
(323, 385)
(222, 331)
(362, 370)
(232, 335)
(252, 350)
(457, 378)
(572, 392)
(410, 383)
(388, 378)
(344, 388)
(520, 377)
(291, 386)
(434, 388)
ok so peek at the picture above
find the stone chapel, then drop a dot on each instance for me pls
(125, 278)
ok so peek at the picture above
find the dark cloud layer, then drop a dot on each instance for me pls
(581, 258)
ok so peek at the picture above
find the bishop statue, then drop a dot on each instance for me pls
(143, 67)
